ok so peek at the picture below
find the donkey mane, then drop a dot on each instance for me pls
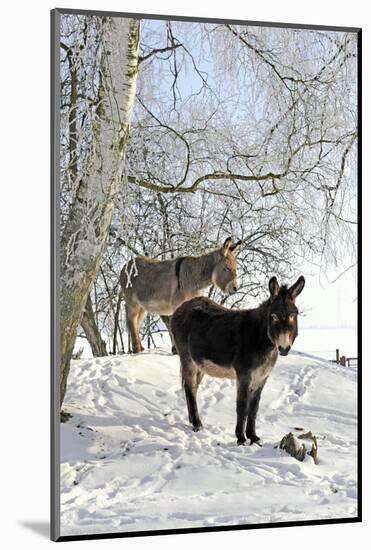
(195, 271)
(283, 294)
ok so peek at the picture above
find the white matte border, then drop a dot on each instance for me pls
(25, 267)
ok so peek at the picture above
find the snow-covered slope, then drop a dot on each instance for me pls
(130, 462)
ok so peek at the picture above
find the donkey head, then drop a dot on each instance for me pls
(282, 314)
(224, 274)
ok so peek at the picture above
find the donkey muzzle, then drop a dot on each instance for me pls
(232, 287)
(284, 351)
(284, 343)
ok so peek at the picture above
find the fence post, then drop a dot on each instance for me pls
(337, 356)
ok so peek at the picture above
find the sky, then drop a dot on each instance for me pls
(329, 304)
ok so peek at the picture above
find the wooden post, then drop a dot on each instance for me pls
(337, 356)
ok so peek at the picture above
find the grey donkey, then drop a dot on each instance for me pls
(160, 287)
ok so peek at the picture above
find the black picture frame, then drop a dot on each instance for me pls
(55, 249)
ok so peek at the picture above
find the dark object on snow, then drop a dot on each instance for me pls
(78, 354)
(299, 449)
(65, 416)
(238, 344)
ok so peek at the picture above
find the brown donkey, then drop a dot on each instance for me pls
(228, 343)
(161, 286)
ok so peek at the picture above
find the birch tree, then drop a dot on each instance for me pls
(95, 186)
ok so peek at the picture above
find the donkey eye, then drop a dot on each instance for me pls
(274, 317)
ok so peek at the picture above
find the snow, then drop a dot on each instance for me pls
(130, 461)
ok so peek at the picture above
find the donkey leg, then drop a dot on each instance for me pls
(252, 412)
(243, 395)
(191, 379)
(174, 350)
(138, 323)
(133, 328)
(167, 320)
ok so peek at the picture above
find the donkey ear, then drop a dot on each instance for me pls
(297, 287)
(227, 245)
(274, 287)
(236, 246)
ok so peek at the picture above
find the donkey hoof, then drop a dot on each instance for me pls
(197, 428)
(174, 351)
(255, 439)
(242, 442)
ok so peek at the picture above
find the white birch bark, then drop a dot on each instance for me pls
(85, 233)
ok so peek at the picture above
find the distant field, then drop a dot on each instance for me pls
(323, 342)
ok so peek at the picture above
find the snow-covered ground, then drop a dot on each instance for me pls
(130, 462)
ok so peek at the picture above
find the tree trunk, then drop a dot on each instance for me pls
(89, 326)
(85, 234)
